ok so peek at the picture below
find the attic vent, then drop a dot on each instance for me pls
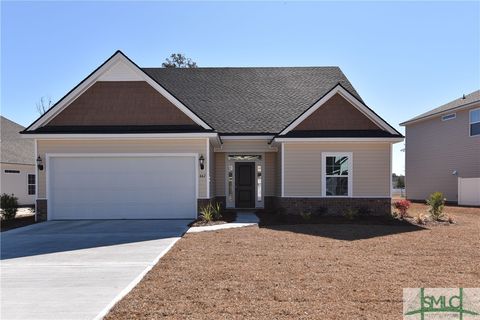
(449, 116)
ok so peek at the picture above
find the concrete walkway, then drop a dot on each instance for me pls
(78, 269)
(244, 219)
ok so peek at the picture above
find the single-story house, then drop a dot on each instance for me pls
(442, 148)
(158, 143)
(17, 163)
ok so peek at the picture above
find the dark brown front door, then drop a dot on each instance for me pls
(245, 184)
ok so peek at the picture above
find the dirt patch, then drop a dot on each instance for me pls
(18, 222)
(321, 271)
(227, 217)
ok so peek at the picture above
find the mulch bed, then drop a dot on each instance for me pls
(272, 219)
(16, 223)
(227, 217)
(306, 271)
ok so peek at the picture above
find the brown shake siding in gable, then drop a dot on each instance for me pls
(120, 103)
(337, 114)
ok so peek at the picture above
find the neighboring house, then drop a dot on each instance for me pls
(131, 142)
(443, 145)
(17, 163)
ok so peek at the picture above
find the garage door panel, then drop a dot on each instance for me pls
(160, 187)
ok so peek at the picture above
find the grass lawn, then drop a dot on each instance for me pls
(306, 271)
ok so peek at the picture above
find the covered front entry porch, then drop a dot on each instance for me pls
(246, 174)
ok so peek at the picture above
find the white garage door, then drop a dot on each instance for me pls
(122, 187)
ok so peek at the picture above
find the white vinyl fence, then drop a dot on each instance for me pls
(469, 191)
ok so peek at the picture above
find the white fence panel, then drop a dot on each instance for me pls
(469, 191)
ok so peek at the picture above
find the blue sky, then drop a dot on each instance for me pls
(403, 57)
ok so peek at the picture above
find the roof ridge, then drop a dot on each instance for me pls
(231, 67)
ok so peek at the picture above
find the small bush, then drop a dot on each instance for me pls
(436, 202)
(350, 213)
(9, 205)
(207, 213)
(217, 211)
(306, 215)
(420, 218)
(211, 212)
(402, 207)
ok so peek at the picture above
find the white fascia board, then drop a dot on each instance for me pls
(119, 136)
(90, 80)
(350, 98)
(247, 137)
(389, 140)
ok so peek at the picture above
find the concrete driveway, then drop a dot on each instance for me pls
(78, 269)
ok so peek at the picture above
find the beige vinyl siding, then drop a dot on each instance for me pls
(197, 146)
(220, 173)
(213, 180)
(270, 173)
(434, 149)
(278, 173)
(303, 163)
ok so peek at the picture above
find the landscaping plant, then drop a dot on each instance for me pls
(9, 206)
(402, 207)
(217, 211)
(207, 213)
(420, 218)
(436, 202)
(350, 213)
(306, 215)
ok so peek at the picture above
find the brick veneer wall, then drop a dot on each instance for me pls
(335, 206)
(41, 210)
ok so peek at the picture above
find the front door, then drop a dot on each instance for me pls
(245, 184)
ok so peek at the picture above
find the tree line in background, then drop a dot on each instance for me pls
(398, 181)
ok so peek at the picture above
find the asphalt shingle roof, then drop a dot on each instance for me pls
(250, 100)
(14, 148)
(469, 98)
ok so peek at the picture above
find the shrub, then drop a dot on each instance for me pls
(436, 202)
(350, 213)
(420, 218)
(207, 213)
(217, 211)
(306, 215)
(9, 205)
(402, 207)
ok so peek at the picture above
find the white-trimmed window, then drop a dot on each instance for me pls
(31, 184)
(449, 116)
(337, 174)
(475, 122)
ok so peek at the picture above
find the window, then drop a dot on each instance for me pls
(259, 182)
(449, 116)
(230, 182)
(337, 174)
(12, 171)
(244, 157)
(474, 122)
(31, 184)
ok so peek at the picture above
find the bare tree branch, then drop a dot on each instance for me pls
(44, 104)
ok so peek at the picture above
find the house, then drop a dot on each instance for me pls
(148, 143)
(443, 145)
(17, 163)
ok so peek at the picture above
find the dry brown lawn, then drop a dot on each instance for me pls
(306, 271)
